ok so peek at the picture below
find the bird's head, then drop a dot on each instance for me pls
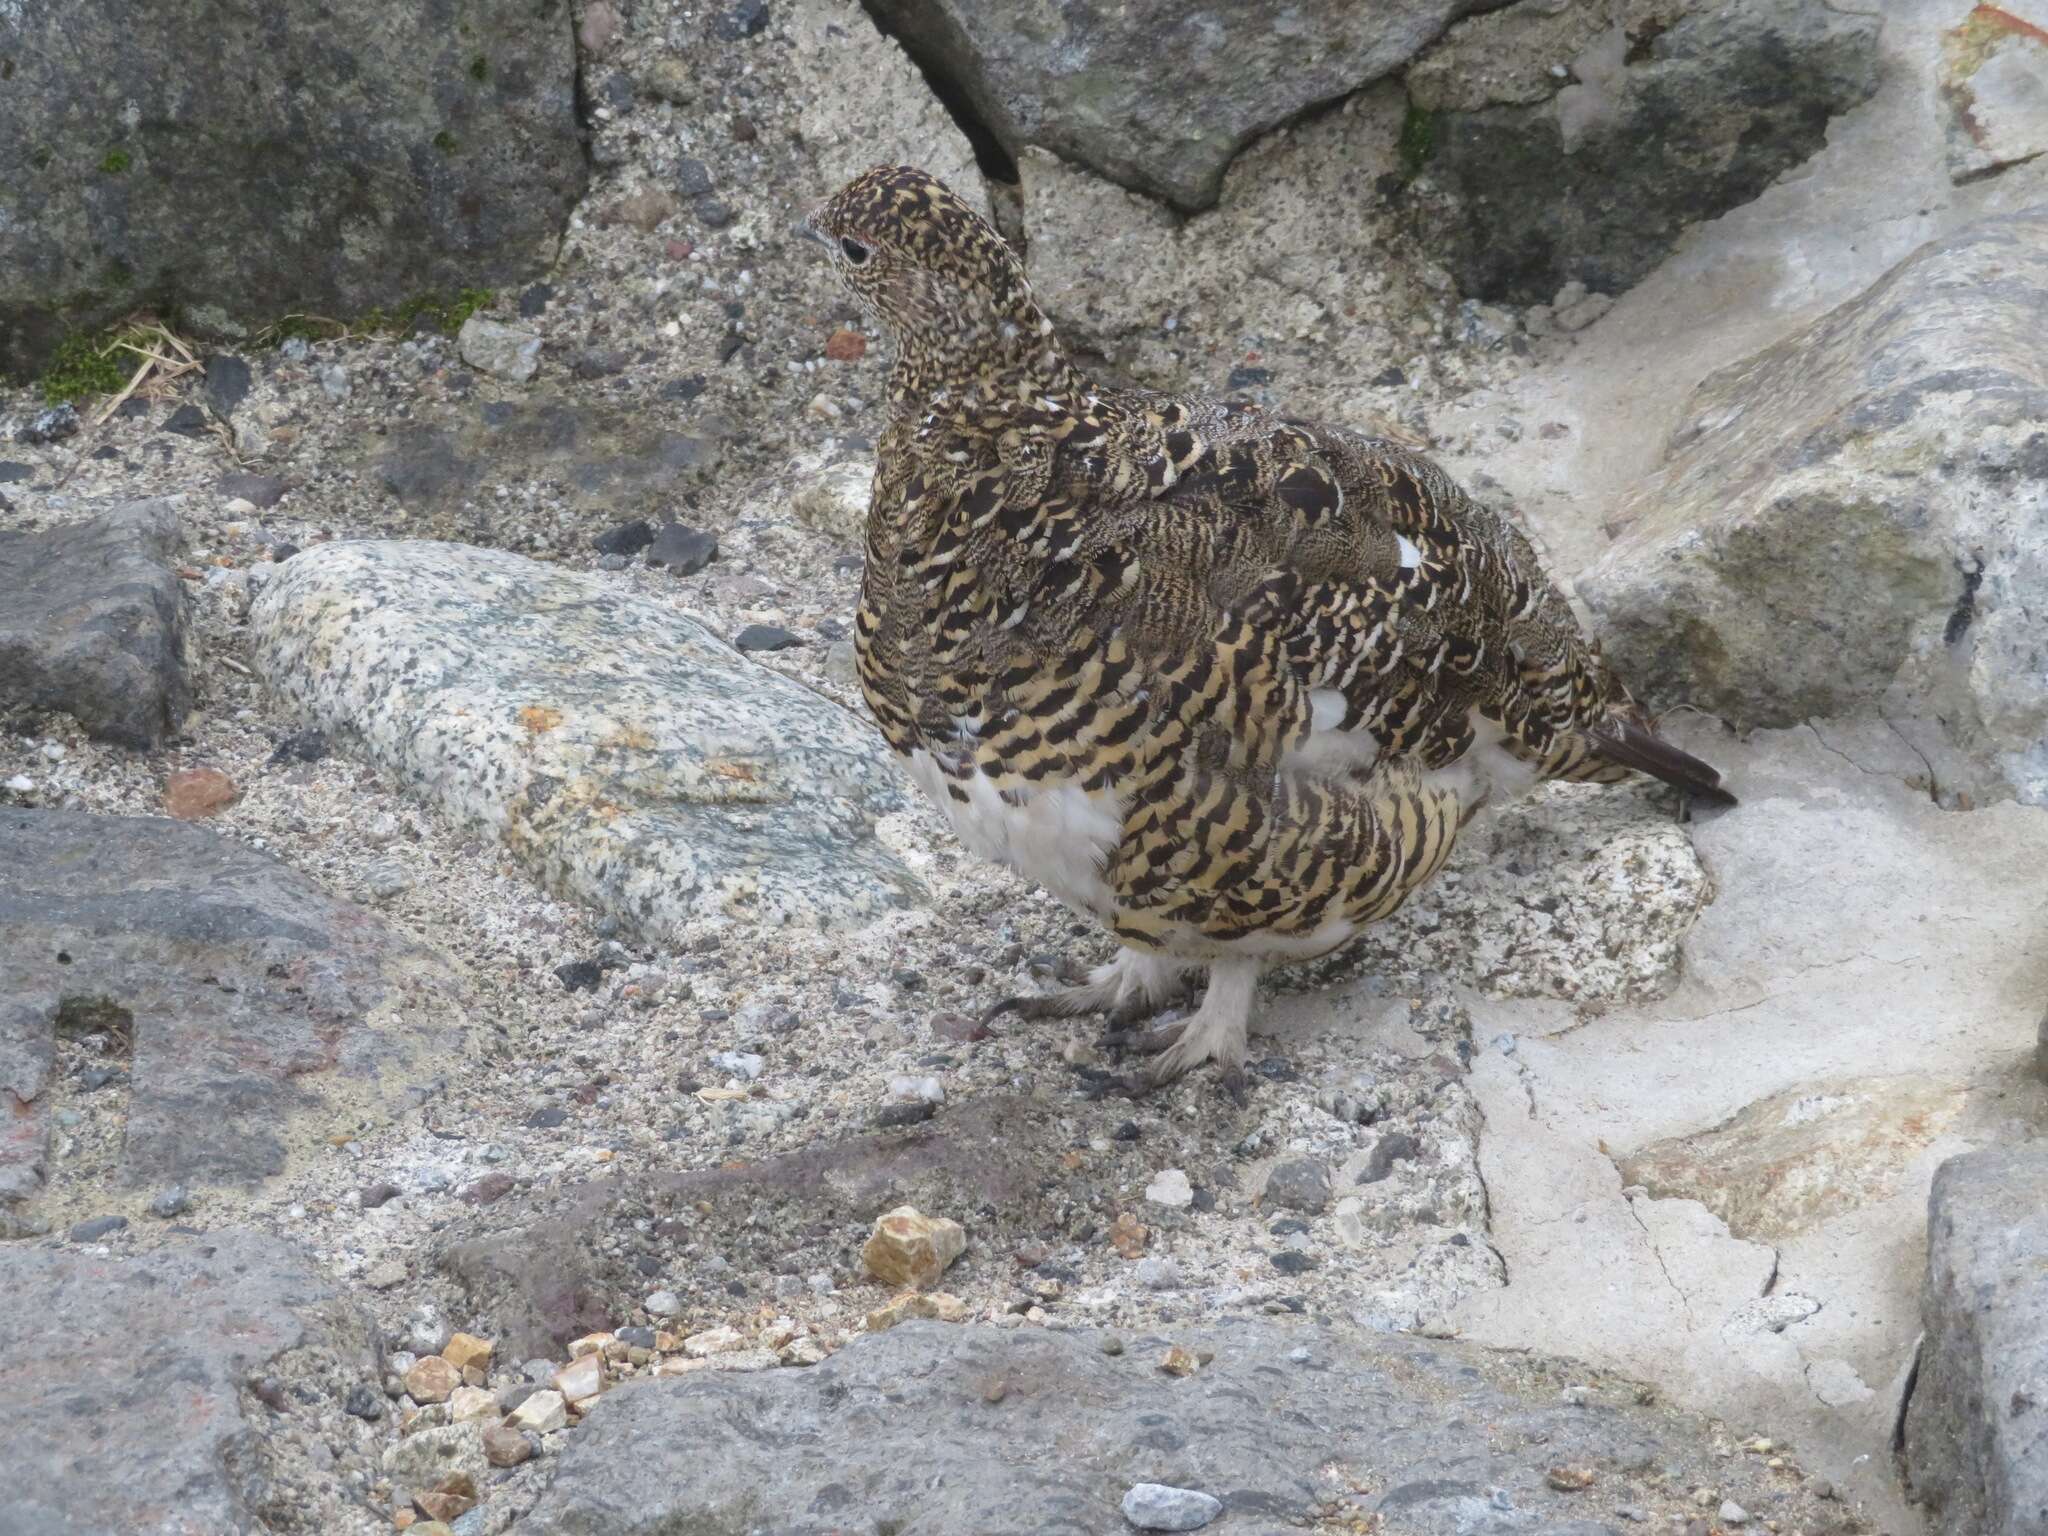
(948, 289)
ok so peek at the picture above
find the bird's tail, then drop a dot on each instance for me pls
(1626, 740)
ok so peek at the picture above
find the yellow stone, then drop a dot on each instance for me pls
(466, 1350)
(909, 1248)
(941, 1306)
(589, 1344)
(431, 1380)
(1179, 1361)
(467, 1403)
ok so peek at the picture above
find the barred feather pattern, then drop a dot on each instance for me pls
(1265, 644)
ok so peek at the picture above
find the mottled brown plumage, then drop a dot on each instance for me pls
(1228, 682)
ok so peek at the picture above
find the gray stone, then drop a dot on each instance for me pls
(501, 350)
(1976, 1433)
(94, 623)
(227, 383)
(1855, 520)
(303, 158)
(897, 1426)
(619, 750)
(1153, 94)
(1156, 1507)
(257, 490)
(601, 460)
(1299, 1184)
(128, 1404)
(256, 1013)
(685, 551)
(1574, 147)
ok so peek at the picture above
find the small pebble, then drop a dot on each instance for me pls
(663, 1304)
(98, 1227)
(174, 1201)
(1156, 1507)
(1170, 1187)
(766, 637)
(1733, 1513)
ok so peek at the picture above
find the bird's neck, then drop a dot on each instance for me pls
(988, 359)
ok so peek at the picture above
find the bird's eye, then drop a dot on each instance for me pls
(855, 252)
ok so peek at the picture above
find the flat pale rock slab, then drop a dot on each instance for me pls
(934, 1428)
(1976, 1442)
(248, 1012)
(124, 1389)
(92, 623)
(1857, 1003)
(622, 752)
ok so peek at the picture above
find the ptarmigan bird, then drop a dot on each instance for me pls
(1226, 682)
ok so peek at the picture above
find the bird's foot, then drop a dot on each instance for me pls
(1131, 987)
(1214, 1032)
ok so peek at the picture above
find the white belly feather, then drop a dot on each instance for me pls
(1059, 837)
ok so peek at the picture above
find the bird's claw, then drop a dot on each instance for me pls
(1025, 1006)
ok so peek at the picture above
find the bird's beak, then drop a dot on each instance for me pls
(810, 231)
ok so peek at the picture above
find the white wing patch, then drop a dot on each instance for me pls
(1411, 552)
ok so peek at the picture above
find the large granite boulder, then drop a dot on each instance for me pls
(94, 623)
(1856, 520)
(931, 1428)
(248, 161)
(173, 1394)
(1576, 140)
(222, 1013)
(1976, 1441)
(623, 752)
(1155, 94)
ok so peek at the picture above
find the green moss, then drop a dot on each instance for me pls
(479, 69)
(83, 365)
(445, 142)
(116, 163)
(444, 315)
(1418, 138)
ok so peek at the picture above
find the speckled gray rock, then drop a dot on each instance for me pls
(897, 1428)
(445, 464)
(1578, 139)
(504, 351)
(251, 1012)
(94, 623)
(1154, 94)
(1856, 520)
(1976, 1441)
(128, 1404)
(623, 753)
(302, 157)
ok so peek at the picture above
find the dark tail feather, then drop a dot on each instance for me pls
(1633, 746)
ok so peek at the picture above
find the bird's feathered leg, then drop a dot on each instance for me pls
(1133, 986)
(1213, 1032)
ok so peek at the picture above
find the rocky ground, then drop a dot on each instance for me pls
(465, 1006)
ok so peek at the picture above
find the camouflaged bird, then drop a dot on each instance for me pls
(1228, 683)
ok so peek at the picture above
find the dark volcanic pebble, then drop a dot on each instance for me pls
(626, 539)
(682, 550)
(766, 637)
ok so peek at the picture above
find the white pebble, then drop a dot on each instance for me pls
(1733, 1513)
(1170, 1187)
(663, 1304)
